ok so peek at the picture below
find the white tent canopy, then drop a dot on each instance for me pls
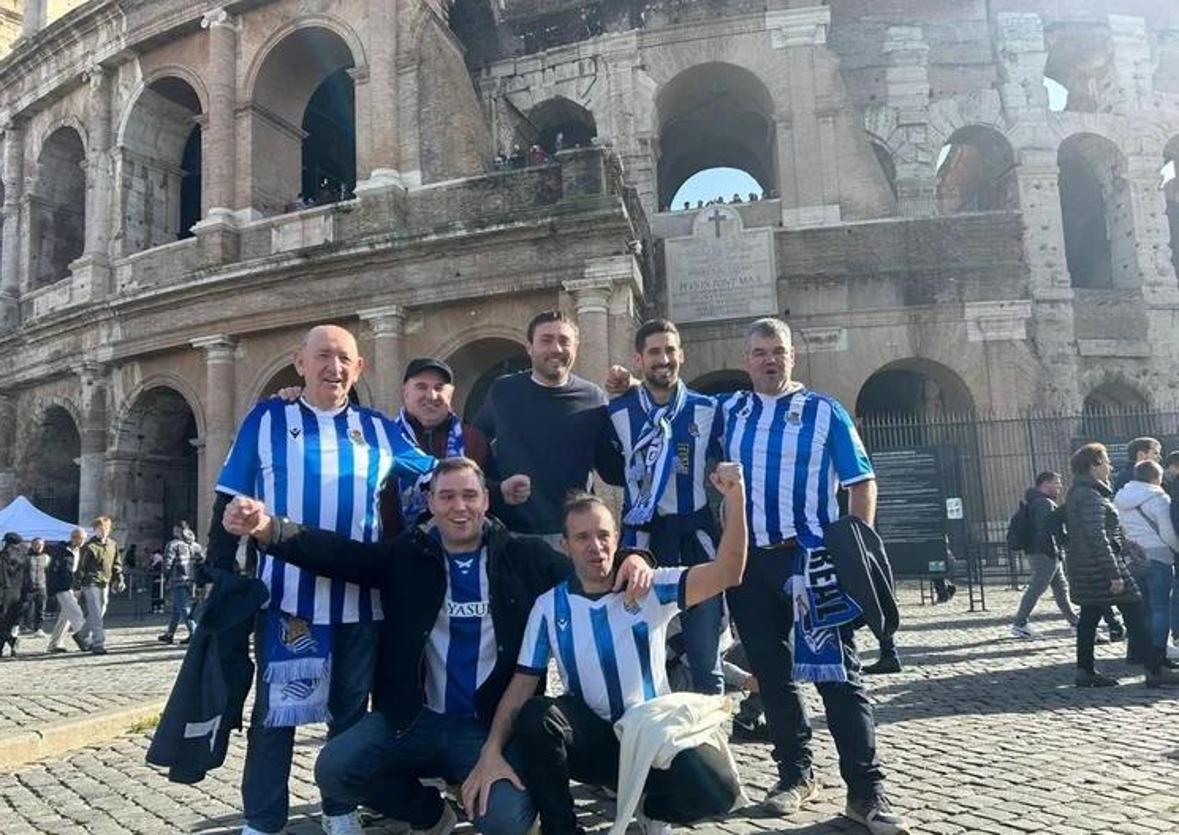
(21, 516)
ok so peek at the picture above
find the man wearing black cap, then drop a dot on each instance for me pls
(428, 422)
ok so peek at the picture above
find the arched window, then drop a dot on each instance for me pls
(1116, 411)
(58, 212)
(976, 173)
(303, 125)
(154, 466)
(49, 474)
(160, 166)
(728, 185)
(1094, 204)
(715, 116)
(557, 124)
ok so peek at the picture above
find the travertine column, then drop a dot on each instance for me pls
(219, 160)
(94, 383)
(10, 243)
(378, 120)
(220, 409)
(387, 363)
(591, 295)
(91, 272)
(34, 18)
(7, 448)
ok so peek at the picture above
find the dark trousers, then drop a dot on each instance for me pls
(265, 800)
(35, 610)
(372, 764)
(561, 739)
(1135, 632)
(764, 616)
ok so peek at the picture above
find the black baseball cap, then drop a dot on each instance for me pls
(417, 366)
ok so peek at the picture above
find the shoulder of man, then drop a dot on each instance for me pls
(624, 401)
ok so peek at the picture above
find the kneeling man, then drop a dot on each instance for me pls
(610, 656)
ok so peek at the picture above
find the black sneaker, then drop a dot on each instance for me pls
(884, 666)
(57, 650)
(98, 650)
(750, 728)
(82, 643)
(1085, 679)
(165, 638)
(875, 815)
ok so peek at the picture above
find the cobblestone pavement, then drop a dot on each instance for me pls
(980, 734)
(36, 688)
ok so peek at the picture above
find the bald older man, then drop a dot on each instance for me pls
(321, 461)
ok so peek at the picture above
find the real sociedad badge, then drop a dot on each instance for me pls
(357, 437)
(632, 607)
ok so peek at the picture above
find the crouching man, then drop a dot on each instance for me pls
(610, 656)
(456, 592)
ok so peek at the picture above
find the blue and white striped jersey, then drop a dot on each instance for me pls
(696, 437)
(324, 470)
(610, 657)
(796, 450)
(461, 650)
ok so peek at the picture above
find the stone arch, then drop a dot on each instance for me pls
(477, 364)
(303, 114)
(1116, 409)
(977, 172)
(1095, 209)
(57, 228)
(715, 115)
(48, 470)
(557, 117)
(722, 381)
(914, 388)
(154, 463)
(160, 163)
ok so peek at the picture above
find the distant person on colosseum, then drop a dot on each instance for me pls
(320, 461)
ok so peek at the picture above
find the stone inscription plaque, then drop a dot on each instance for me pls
(722, 270)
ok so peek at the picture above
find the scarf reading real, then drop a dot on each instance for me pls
(297, 669)
(652, 457)
(814, 587)
(412, 490)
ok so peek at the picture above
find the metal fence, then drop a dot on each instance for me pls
(989, 462)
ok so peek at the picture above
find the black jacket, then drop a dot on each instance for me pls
(410, 572)
(1093, 557)
(1173, 492)
(1045, 524)
(210, 690)
(864, 573)
(59, 576)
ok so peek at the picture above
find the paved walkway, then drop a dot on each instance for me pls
(980, 734)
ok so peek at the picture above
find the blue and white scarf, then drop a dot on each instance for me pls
(652, 456)
(821, 607)
(296, 659)
(412, 490)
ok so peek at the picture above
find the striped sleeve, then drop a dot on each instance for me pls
(535, 650)
(847, 450)
(667, 597)
(239, 474)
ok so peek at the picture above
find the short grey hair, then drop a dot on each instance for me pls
(769, 327)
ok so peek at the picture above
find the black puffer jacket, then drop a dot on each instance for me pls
(1093, 557)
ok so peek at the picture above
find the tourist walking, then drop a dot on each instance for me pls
(182, 556)
(100, 571)
(35, 605)
(15, 586)
(61, 582)
(1043, 552)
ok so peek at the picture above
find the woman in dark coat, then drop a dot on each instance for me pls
(1097, 573)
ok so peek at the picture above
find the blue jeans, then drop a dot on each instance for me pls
(1159, 586)
(181, 608)
(370, 764)
(265, 799)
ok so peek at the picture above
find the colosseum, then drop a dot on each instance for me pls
(965, 203)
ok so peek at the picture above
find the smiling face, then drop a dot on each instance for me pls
(769, 361)
(590, 539)
(458, 502)
(553, 350)
(427, 396)
(660, 360)
(330, 364)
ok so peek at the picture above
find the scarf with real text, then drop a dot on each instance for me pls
(821, 607)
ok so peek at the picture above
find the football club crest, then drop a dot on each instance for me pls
(632, 607)
(357, 437)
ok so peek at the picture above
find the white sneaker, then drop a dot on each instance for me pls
(650, 826)
(445, 825)
(1024, 632)
(249, 830)
(1172, 652)
(348, 824)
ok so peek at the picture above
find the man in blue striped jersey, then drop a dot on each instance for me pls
(611, 657)
(797, 447)
(666, 433)
(321, 461)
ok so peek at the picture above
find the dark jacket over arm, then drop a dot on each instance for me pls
(222, 551)
(1045, 526)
